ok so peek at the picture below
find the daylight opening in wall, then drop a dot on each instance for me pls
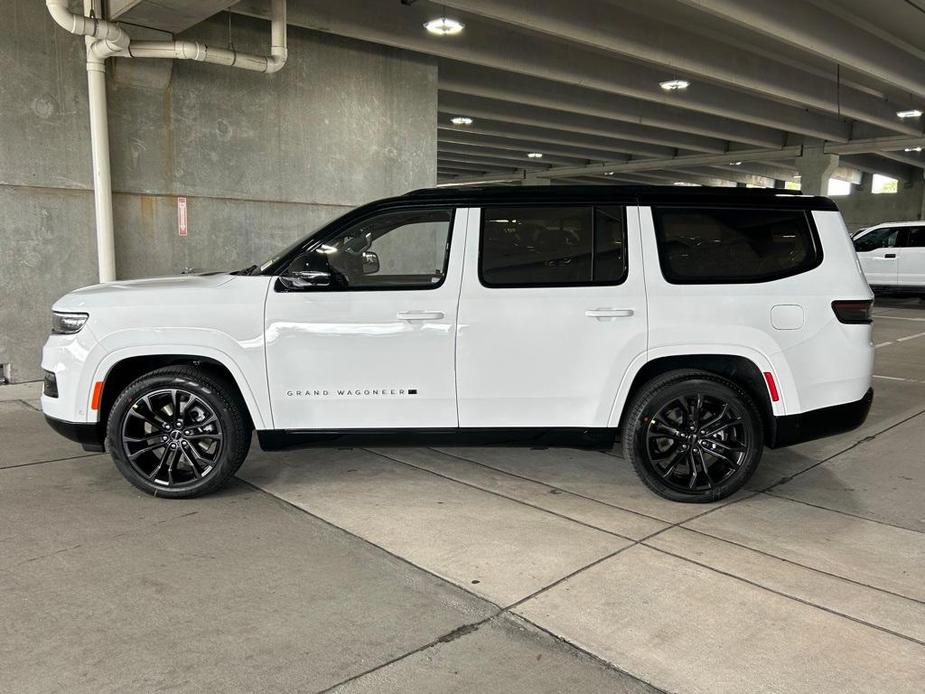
(837, 187)
(791, 185)
(884, 185)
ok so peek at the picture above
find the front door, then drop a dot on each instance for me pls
(552, 313)
(877, 252)
(361, 328)
(911, 251)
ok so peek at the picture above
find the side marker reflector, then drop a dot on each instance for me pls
(97, 394)
(772, 386)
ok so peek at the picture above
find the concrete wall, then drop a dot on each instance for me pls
(262, 159)
(863, 209)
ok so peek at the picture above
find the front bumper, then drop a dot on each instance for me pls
(89, 435)
(816, 424)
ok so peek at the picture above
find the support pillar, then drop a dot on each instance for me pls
(816, 168)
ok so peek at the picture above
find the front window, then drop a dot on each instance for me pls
(878, 238)
(397, 250)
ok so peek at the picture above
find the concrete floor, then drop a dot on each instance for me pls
(479, 569)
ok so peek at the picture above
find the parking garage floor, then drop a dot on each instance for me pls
(474, 569)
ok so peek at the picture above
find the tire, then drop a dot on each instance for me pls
(708, 463)
(179, 462)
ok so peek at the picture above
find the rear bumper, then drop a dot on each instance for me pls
(816, 424)
(89, 436)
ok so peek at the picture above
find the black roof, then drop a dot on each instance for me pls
(614, 194)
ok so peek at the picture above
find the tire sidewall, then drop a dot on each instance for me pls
(234, 438)
(649, 404)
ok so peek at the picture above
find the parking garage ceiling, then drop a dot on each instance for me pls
(584, 84)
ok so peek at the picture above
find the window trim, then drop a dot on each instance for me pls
(327, 234)
(673, 279)
(557, 205)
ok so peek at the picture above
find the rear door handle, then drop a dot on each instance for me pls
(420, 315)
(609, 312)
(889, 255)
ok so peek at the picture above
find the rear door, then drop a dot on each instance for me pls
(552, 312)
(877, 252)
(911, 258)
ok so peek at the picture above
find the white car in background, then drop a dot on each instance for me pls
(892, 257)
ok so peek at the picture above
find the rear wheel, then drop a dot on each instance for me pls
(178, 432)
(693, 436)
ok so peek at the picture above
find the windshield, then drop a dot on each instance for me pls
(283, 253)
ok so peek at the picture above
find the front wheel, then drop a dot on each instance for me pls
(178, 432)
(693, 436)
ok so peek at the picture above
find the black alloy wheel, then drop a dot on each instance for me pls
(172, 437)
(693, 436)
(179, 432)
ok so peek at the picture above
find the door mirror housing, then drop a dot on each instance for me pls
(306, 279)
(370, 263)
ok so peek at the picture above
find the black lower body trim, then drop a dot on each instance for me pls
(89, 436)
(277, 439)
(816, 424)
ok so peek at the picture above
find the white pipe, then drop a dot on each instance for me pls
(105, 39)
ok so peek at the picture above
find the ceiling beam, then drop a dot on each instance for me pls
(519, 156)
(460, 137)
(875, 144)
(504, 47)
(553, 136)
(522, 89)
(872, 163)
(809, 28)
(616, 30)
(477, 106)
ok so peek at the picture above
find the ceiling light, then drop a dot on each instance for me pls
(687, 184)
(609, 173)
(911, 113)
(535, 155)
(912, 149)
(674, 85)
(444, 26)
(735, 163)
(461, 120)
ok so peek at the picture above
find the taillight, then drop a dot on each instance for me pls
(853, 312)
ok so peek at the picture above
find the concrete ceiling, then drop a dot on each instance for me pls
(580, 83)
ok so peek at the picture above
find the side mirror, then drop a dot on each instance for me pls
(370, 263)
(306, 279)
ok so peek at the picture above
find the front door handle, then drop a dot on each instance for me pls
(420, 315)
(889, 255)
(600, 313)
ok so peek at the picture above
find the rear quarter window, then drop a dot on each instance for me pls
(734, 246)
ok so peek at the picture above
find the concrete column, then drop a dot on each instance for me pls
(816, 168)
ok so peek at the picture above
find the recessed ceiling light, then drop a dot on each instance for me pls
(609, 173)
(911, 113)
(674, 85)
(912, 149)
(461, 120)
(535, 155)
(444, 26)
(735, 163)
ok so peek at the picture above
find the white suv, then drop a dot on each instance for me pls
(696, 325)
(892, 256)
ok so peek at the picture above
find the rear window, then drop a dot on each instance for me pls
(727, 246)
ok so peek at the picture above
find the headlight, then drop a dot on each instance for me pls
(67, 323)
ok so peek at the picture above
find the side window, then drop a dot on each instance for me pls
(915, 237)
(724, 246)
(879, 238)
(552, 246)
(397, 250)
